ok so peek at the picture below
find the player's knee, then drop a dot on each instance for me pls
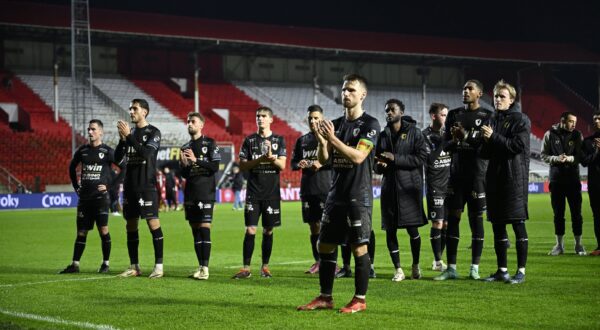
(359, 250)
(82, 233)
(205, 225)
(268, 231)
(251, 230)
(103, 230)
(437, 224)
(455, 213)
(326, 248)
(153, 224)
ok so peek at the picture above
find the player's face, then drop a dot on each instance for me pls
(471, 93)
(313, 119)
(393, 113)
(94, 132)
(569, 123)
(194, 125)
(502, 99)
(137, 113)
(353, 93)
(263, 120)
(440, 117)
(596, 121)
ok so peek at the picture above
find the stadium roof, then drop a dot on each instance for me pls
(19, 19)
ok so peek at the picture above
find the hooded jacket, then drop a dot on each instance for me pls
(507, 175)
(402, 186)
(559, 141)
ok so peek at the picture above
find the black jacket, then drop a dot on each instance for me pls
(591, 158)
(402, 186)
(507, 176)
(558, 141)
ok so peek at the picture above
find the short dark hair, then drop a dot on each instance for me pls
(197, 115)
(143, 104)
(266, 109)
(476, 82)
(97, 122)
(435, 108)
(356, 77)
(397, 102)
(315, 108)
(566, 114)
(596, 113)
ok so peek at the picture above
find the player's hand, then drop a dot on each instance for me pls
(457, 131)
(386, 157)
(326, 129)
(303, 163)
(102, 187)
(562, 158)
(189, 155)
(597, 143)
(124, 129)
(315, 165)
(382, 164)
(270, 158)
(486, 131)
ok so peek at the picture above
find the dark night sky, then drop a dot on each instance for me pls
(565, 21)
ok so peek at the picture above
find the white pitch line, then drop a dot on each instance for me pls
(57, 320)
(278, 263)
(56, 281)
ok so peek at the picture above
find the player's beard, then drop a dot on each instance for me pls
(192, 131)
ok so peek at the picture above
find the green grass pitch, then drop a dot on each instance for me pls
(560, 292)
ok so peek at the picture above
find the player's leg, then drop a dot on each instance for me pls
(435, 237)
(522, 247)
(452, 239)
(102, 224)
(594, 195)
(391, 239)
(557, 199)
(345, 270)
(415, 249)
(371, 248)
(252, 213)
(271, 217)
(574, 200)
(500, 247)
(312, 211)
(131, 214)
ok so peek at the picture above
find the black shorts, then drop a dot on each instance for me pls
(436, 209)
(140, 205)
(269, 209)
(343, 224)
(92, 211)
(312, 208)
(200, 211)
(473, 194)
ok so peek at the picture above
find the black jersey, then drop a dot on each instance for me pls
(95, 170)
(466, 159)
(437, 168)
(263, 181)
(201, 182)
(141, 148)
(351, 183)
(313, 182)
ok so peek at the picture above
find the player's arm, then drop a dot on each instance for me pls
(380, 166)
(323, 148)
(120, 151)
(214, 158)
(515, 144)
(588, 152)
(245, 154)
(73, 170)
(121, 165)
(147, 150)
(297, 155)
(281, 156)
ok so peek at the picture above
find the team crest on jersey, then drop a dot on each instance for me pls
(275, 146)
(433, 214)
(101, 155)
(204, 150)
(403, 136)
(506, 124)
(145, 138)
(570, 143)
(356, 131)
(477, 122)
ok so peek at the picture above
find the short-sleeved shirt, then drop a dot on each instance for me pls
(95, 170)
(351, 183)
(313, 183)
(263, 180)
(201, 182)
(437, 168)
(141, 148)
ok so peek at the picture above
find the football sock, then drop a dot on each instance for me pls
(522, 243)
(371, 247)
(267, 248)
(205, 245)
(106, 245)
(346, 255)
(415, 243)
(392, 244)
(477, 234)
(560, 240)
(578, 240)
(435, 237)
(522, 270)
(133, 241)
(157, 241)
(327, 265)
(500, 244)
(443, 241)
(503, 269)
(362, 265)
(248, 248)
(197, 244)
(452, 238)
(79, 247)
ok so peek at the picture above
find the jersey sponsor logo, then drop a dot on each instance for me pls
(56, 200)
(249, 207)
(270, 210)
(372, 133)
(306, 154)
(477, 195)
(156, 138)
(200, 205)
(216, 150)
(438, 201)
